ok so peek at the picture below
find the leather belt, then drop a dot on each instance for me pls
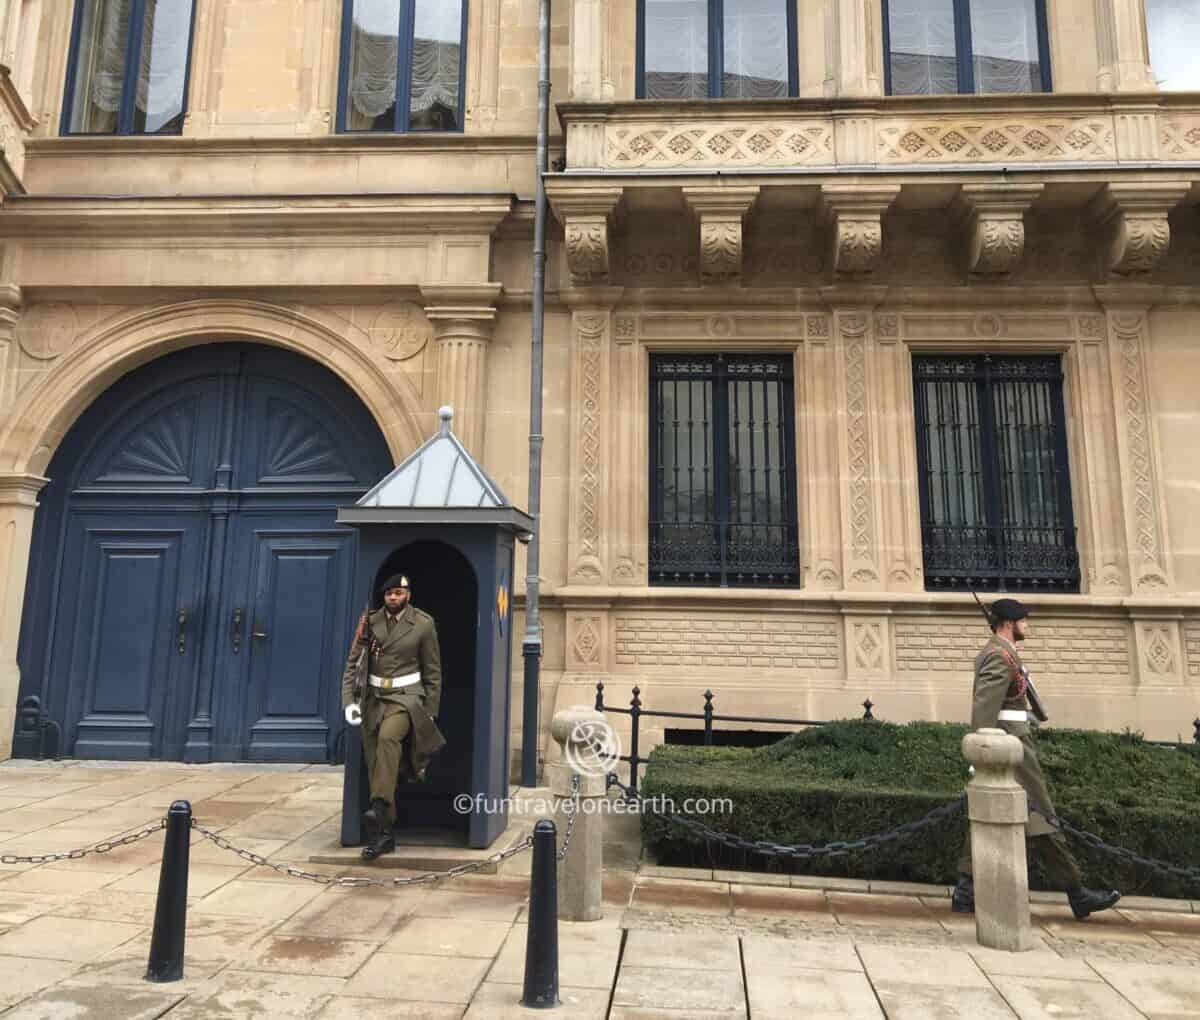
(390, 683)
(1013, 715)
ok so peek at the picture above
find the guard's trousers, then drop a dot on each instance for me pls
(1057, 859)
(385, 724)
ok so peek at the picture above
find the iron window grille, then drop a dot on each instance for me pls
(722, 471)
(995, 487)
(128, 67)
(716, 49)
(403, 66)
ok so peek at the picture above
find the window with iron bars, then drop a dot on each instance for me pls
(995, 485)
(722, 471)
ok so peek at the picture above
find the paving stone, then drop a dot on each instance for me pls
(308, 954)
(1040, 962)
(212, 939)
(23, 977)
(17, 907)
(678, 894)
(586, 958)
(1156, 903)
(893, 965)
(686, 951)
(356, 1008)
(789, 992)
(95, 1003)
(1108, 925)
(752, 878)
(1158, 991)
(895, 911)
(810, 904)
(912, 1001)
(659, 1013)
(203, 879)
(497, 1001)
(107, 905)
(1159, 922)
(354, 913)
(63, 883)
(716, 989)
(245, 995)
(1044, 998)
(435, 978)
(263, 901)
(834, 884)
(126, 966)
(665, 871)
(766, 952)
(471, 906)
(910, 889)
(445, 936)
(64, 938)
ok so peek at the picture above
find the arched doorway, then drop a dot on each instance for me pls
(189, 591)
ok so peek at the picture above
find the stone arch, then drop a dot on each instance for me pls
(43, 415)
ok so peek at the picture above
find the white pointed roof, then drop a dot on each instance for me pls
(440, 481)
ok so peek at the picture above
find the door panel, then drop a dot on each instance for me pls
(129, 662)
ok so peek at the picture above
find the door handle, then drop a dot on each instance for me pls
(235, 630)
(181, 629)
(258, 634)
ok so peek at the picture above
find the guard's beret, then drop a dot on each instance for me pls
(1009, 609)
(396, 581)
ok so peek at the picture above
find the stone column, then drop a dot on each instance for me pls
(591, 79)
(18, 503)
(462, 318)
(998, 809)
(720, 213)
(10, 313)
(580, 871)
(1123, 48)
(853, 43)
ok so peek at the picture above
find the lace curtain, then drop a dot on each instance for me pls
(756, 49)
(1005, 43)
(162, 65)
(922, 47)
(676, 49)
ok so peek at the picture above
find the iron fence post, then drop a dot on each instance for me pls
(635, 713)
(170, 910)
(540, 990)
(708, 718)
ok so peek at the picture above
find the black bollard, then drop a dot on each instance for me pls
(170, 912)
(541, 941)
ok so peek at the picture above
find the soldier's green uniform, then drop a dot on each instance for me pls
(403, 645)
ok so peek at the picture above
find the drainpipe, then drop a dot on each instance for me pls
(531, 646)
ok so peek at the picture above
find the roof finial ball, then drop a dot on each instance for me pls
(446, 415)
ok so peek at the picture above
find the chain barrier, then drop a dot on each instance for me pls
(571, 813)
(102, 847)
(801, 851)
(1097, 843)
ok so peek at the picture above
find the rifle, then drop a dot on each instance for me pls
(360, 667)
(1035, 702)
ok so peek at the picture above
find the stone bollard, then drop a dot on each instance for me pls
(998, 810)
(580, 871)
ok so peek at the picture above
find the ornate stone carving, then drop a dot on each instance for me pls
(45, 331)
(817, 326)
(993, 217)
(853, 213)
(853, 328)
(867, 645)
(665, 145)
(1006, 138)
(585, 643)
(720, 212)
(625, 327)
(1134, 218)
(590, 329)
(400, 330)
(1159, 650)
(1091, 327)
(887, 326)
(584, 214)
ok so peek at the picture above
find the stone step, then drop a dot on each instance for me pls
(426, 850)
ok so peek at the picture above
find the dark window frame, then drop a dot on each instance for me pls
(401, 123)
(133, 50)
(988, 566)
(963, 55)
(786, 566)
(716, 50)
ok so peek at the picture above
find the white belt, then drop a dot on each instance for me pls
(1013, 715)
(389, 683)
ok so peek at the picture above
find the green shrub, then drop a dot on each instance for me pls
(853, 778)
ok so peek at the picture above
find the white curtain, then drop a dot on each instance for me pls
(1005, 43)
(922, 47)
(676, 49)
(437, 51)
(756, 49)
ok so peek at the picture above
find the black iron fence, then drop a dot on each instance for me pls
(708, 716)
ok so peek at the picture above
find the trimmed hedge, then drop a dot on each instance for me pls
(853, 778)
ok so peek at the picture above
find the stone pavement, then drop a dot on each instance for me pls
(74, 935)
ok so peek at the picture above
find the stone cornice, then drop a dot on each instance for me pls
(250, 216)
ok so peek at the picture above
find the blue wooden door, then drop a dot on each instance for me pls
(190, 590)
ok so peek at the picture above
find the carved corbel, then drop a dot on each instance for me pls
(1133, 218)
(720, 213)
(585, 214)
(854, 214)
(993, 221)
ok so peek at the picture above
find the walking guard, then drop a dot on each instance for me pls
(1003, 699)
(392, 688)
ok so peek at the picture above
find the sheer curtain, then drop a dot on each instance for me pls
(374, 48)
(676, 49)
(922, 58)
(756, 49)
(437, 53)
(1005, 43)
(1173, 27)
(162, 68)
(100, 66)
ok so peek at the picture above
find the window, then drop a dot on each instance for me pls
(937, 46)
(722, 471)
(402, 65)
(735, 49)
(994, 482)
(1173, 31)
(128, 67)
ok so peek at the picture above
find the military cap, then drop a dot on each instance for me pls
(396, 581)
(1009, 609)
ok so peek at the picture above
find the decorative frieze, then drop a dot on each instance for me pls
(1133, 218)
(585, 215)
(669, 145)
(854, 213)
(720, 213)
(993, 220)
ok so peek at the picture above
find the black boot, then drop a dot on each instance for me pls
(374, 819)
(963, 900)
(1090, 901)
(381, 844)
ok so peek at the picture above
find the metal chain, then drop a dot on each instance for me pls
(75, 855)
(1096, 843)
(803, 851)
(571, 813)
(426, 878)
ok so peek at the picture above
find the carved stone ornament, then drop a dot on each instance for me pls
(1134, 218)
(587, 250)
(994, 219)
(400, 331)
(47, 330)
(856, 229)
(720, 250)
(857, 245)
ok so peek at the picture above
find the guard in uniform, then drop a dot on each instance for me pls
(1001, 701)
(400, 700)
